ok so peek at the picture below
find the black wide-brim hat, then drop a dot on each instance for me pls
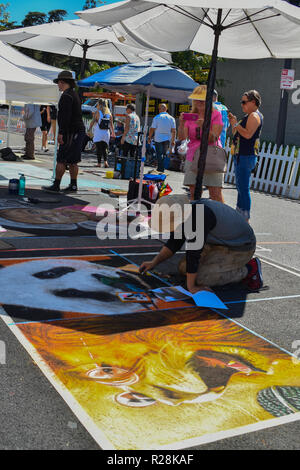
(64, 75)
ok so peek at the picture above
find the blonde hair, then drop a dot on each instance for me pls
(104, 106)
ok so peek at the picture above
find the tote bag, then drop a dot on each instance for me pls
(216, 160)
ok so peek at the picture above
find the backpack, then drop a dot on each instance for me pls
(175, 163)
(104, 123)
(8, 155)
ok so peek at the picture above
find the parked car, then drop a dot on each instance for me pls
(90, 106)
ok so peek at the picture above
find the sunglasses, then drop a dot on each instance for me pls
(244, 102)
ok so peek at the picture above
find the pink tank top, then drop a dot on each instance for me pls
(216, 118)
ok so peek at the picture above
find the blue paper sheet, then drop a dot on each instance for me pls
(204, 298)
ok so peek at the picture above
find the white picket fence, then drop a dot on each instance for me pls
(278, 171)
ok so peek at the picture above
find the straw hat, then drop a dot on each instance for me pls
(169, 213)
(199, 93)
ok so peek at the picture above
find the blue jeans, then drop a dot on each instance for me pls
(161, 149)
(243, 165)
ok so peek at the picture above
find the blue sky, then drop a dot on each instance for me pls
(19, 8)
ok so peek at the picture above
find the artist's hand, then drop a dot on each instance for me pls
(196, 289)
(192, 287)
(146, 266)
(60, 139)
(232, 119)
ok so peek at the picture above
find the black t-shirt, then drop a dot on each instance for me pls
(44, 115)
(69, 113)
(192, 256)
(53, 113)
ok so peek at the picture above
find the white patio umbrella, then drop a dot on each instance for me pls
(78, 38)
(241, 29)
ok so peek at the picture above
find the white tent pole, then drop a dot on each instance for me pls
(55, 151)
(8, 124)
(143, 150)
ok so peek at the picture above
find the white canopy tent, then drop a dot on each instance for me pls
(28, 64)
(78, 38)
(18, 84)
(240, 29)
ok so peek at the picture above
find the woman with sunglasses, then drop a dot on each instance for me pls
(246, 135)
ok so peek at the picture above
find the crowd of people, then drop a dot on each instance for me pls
(162, 137)
(229, 243)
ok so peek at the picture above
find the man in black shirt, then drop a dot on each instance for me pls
(219, 242)
(71, 133)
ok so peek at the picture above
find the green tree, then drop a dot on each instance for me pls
(194, 64)
(89, 4)
(4, 17)
(34, 18)
(95, 67)
(56, 15)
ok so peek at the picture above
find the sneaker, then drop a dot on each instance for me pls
(51, 189)
(70, 189)
(254, 279)
(46, 150)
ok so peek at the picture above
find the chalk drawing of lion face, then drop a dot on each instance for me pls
(68, 285)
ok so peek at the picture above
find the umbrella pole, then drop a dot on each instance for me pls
(143, 151)
(55, 152)
(83, 62)
(83, 66)
(208, 107)
(8, 124)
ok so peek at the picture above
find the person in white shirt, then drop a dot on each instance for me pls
(164, 129)
(102, 124)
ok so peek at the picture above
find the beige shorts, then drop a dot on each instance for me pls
(189, 175)
(209, 179)
(220, 265)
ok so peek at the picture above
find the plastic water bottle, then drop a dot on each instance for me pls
(21, 185)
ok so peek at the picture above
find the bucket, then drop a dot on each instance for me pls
(109, 174)
(13, 186)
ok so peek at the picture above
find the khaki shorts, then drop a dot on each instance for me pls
(189, 176)
(220, 265)
(209, 179)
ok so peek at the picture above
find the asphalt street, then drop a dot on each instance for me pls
(36, 416)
